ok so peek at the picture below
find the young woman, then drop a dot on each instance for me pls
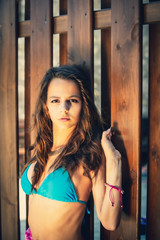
(72, 157)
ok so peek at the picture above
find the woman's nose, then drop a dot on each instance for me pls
(65, 106)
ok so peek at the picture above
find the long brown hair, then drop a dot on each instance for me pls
(84, 145)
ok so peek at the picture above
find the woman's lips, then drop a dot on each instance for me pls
(64, 119)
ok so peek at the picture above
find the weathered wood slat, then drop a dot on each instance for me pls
(80, 33)
(60, 24)
(126, 107)
(102, 19)
(80, 51)
(153, 231)
(40, 45)
(63, 36)
(24, 28)
(8, 122)
(151, 12)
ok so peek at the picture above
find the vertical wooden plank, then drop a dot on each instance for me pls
(126, 107)
(40, 45)
(80, 33)
(153, 209)
(105, 85)
(80, 51)
(63, 37)
(8, 121)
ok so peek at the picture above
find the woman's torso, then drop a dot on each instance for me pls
(58, 219)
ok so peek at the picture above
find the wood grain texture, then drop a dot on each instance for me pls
(40, 46)
(153, 231)
(8, 122)
(24, 28)
(80, 32)
(126, 108)
(80, 51)
(102, 19)
(151, 12)
(60, 24)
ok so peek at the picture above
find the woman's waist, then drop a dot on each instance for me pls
(59, 226)
(64, 233)
(55, 215)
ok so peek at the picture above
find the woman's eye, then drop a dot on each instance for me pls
(54, 101)
(74, 100)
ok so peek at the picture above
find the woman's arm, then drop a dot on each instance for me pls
(110, 172)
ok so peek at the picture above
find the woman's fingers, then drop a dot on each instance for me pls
(107, 134)
(107, 145)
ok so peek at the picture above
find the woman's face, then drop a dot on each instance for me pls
(64, 103)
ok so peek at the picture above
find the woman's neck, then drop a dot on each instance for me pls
(60, 137)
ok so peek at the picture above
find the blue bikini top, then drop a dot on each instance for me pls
(56, 186)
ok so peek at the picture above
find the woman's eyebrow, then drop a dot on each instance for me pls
(75, 95)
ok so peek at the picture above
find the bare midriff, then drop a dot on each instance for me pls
(55, 220)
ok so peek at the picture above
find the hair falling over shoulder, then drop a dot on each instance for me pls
(84, 146)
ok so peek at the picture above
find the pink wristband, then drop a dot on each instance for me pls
(110, 194)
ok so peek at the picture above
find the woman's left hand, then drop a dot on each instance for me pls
(113, 159)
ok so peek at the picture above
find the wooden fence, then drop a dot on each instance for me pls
(121, 24)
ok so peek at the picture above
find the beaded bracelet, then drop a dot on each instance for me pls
(110, 194)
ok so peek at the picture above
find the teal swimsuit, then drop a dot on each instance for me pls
(56, 186)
